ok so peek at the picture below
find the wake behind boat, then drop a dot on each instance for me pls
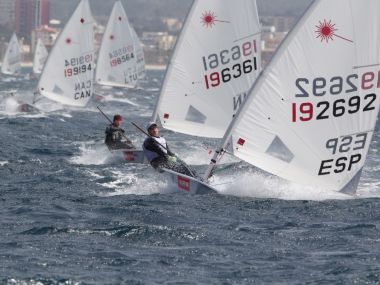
(12, 104)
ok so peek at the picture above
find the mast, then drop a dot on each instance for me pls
(227, 136)
(155, 111)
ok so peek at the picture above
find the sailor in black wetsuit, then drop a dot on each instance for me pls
(159, 155)
(115, 134)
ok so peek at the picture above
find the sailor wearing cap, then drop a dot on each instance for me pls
(115, 134)
(159, 155)
(156, 149)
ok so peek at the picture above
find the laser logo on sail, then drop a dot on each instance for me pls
(208, 19)
(326, 31)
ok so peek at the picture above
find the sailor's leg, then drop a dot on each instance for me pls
(158, 163)
(182, 167)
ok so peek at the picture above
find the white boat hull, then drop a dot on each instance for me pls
(187, 184)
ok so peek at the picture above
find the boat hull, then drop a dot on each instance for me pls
(187, 184)
(130, 155)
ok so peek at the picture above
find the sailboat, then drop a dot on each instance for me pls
(11, 64)
(40, 56)
(310, 116)
(120, 62)
(67, 77)
(11, 67)
(216, 60)
(116, 64)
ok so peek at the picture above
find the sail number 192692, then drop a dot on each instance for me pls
(320, 87)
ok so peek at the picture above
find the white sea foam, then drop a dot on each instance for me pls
(128, 183)
(258, 185)
(5, 115)
(48, 105)
(11, 105)
(91, 153)
(369, 189)
(112, 98)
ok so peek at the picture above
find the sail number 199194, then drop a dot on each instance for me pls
(77, 65)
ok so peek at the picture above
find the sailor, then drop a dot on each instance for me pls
(115, 134)
(159, 155)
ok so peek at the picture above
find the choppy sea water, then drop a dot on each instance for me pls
(71, 215)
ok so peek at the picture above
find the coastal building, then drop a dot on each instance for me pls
(22, 16)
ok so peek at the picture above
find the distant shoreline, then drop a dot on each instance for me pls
(155, 67)
(27, 64)
(147, 66)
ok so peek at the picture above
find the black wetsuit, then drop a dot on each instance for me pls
(158, 152)
(157, 155)
(114, 136)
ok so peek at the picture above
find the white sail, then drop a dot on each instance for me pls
(140, 59)
(215, 62)
(116, 65)
(40, 56)
(69, 70)
(11, 64)
(311, 114)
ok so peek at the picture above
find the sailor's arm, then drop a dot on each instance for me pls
(169, 151)
(150, 144)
